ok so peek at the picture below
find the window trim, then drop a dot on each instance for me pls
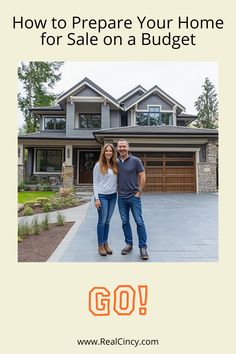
(148, 111)
(49, 148)
(54, 117)
(92, 128)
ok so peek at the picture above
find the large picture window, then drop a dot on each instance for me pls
(48, 160)
(154, 117)
(90, 120)
(54, 123)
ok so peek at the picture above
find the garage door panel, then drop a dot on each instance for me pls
(170, 171)
(154, 171)
(155, 180)
(180, 180)
(179, 188)
(154, 188)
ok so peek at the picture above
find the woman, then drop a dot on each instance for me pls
(104, 188)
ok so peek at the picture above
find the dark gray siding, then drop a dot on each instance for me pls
(155, 100)
(132, 98)
(115, 119)
(87, 91)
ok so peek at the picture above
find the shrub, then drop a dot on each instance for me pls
(57, 203)
(35, 226)
(45, 222)
(69, 201)
(64, 192)
(23, 229)
(48, 188)
(21, 186)
(30, 203)
(46, 207)
(42, 200)
(60, 219)
(27, 211)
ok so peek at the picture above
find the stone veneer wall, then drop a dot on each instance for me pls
(68, 176)
(207, 170)
(21, 173)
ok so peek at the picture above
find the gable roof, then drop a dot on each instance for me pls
(92, 85)
(131, 92)
(162, 93)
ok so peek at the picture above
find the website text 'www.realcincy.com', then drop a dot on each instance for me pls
(119, 341)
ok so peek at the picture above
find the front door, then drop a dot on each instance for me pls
(87, 160)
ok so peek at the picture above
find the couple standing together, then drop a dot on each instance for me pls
(126, 176)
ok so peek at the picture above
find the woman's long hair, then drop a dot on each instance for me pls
(103, 162)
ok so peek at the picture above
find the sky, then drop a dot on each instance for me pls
(182, 80)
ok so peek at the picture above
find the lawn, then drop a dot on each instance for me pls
(28, 196)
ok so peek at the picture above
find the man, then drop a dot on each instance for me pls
(131, 182)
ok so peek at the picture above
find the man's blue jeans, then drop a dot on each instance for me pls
(108, 202)
(134, 204)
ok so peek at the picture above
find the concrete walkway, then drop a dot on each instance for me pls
(181, 228)
(71, 214)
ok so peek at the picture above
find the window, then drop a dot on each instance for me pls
(48, 160)
(90, 120)
(154, 117)
(54, 123)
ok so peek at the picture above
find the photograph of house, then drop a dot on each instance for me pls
(176, 157)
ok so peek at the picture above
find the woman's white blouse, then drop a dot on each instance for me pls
(103, 184)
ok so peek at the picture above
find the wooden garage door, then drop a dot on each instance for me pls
(169, 171)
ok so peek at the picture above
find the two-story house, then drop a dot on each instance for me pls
(176, 158)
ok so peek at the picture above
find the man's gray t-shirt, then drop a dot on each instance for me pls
(128, 171)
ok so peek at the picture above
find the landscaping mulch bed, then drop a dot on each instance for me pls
(38, 248)
(39, 210)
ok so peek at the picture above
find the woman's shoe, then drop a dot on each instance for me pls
(101, 250)
(107, 248)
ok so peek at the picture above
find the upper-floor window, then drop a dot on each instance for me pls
(54, 123)
(154, 117)
(90, 120)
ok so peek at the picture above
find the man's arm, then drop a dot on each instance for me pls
(142, 181)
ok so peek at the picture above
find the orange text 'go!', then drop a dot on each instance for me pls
(124, 300)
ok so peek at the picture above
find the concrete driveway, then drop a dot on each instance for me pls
(180, 227)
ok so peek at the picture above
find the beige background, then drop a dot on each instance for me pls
(190, 306)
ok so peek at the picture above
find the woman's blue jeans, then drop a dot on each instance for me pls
(108, 202)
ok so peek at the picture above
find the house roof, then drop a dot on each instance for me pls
(43, 134)
(46, 108)
(154, 131)
(162, 93)
(38, 111)
(186, 118)
(131, 92)
(91, 84)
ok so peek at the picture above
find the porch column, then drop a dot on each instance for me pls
(207, 170)
(68, 168)
(132, 117)
(174, 115)
(21, 167)
(105, 116)
(70, 118)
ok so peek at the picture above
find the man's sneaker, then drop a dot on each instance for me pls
(127, 249)
(143, 253)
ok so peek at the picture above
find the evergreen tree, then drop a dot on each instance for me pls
(38, 78)
(207, 107)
